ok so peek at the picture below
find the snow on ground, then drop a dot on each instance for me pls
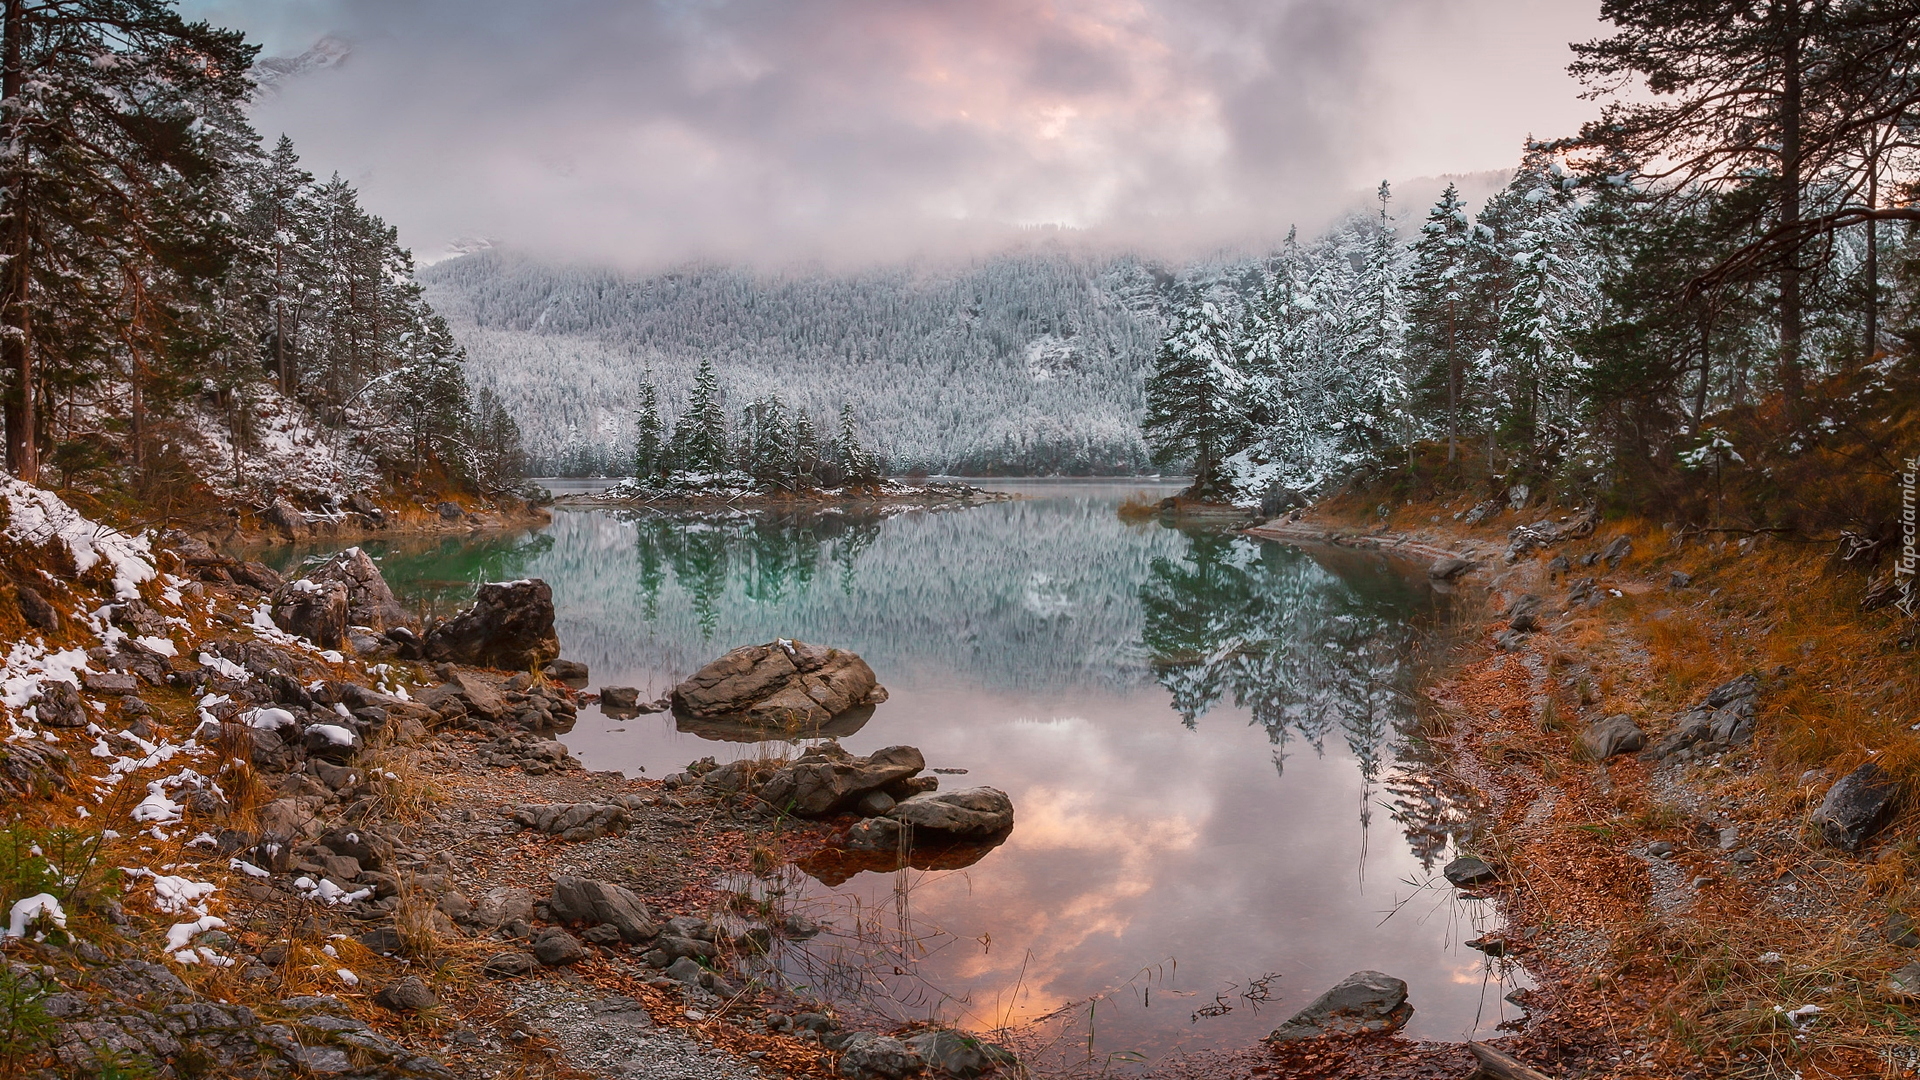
(38, 517)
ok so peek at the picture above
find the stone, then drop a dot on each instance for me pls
(556, 948)
(570, 672)
(370, 603)
(450, 511)
(1450, 569)
(576, 821)
(583, 900)
(1616, 734)
(780, 684)
(1679, 579)
(1617, 551)
(687, 970)
(978, 811)
(1581, 592)
(479, 694)
(498, 907)
(958, 1054)
(111, 682)
(285, 518)
(1523, 614)
(383, 939)
(1558, 565)
(38, 612)
(59, 705)
(1469, 871)
(874, 804)
(336, 742)
(509, 626)
(827, 778)
(288, 819)
(408, 994)
(1510, 641)
(874, 834)
(1901, 931)
(313, 610)
(1723, 720)
(619, 697)
(867, 1056)
(1904, 984)
(1856, 806)
(1364, 1003)
(510, 965)
(603, 935)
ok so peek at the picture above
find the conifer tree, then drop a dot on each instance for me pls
(649, 443)
(700, 438)
(1196, 396)
(1439, 332)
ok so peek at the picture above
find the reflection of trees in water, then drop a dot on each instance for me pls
(1308, 653)
(438, 575)
(773, 557)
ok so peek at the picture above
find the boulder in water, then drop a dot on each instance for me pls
(779, 684)
(509, 626)
(827, 778)
(1363, 1003)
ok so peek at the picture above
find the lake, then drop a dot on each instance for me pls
(1210, 743)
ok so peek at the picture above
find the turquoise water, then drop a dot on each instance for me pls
(1207, 737)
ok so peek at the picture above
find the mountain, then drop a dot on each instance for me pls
(1027, 362)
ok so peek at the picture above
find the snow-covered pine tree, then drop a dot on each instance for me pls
(1372, 403)
(700, 438)
(1549, 293)
(1440, 332)
(1197, 394)
(649, 440)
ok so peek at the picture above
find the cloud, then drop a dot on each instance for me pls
(649, 131)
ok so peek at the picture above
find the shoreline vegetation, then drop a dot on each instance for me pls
(740, 491)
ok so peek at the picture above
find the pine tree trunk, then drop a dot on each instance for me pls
(16, 324)
(1791, 382)
(1453, 384)
(1706, 372)
(1872, 269)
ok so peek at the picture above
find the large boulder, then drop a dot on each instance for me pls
(827, 778)
(1857, 806)
(1364, 1003)
(977, 811)
(583, 900)
(315, 610)
(509, 626)
(779, 684)
(957, 1054)
(867, 1056)
(370, 602)
(1615, 735)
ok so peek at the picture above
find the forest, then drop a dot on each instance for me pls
(1700, 305)
(184, 307)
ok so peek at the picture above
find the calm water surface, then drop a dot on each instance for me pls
(1207, 739)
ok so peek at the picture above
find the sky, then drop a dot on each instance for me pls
(647, 132)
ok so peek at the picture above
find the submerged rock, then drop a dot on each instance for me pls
(958, 1054)
(1364, 1003)
(509, 626)
(779, 684)
(1857, 806)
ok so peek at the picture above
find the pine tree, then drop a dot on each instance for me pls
(1196, 396)
(1548, 295)
(700, 439)
(649, 444)
(1440, 335)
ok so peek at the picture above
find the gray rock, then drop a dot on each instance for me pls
(867, 1056)
(1366, 1002)
(1904, 984)
(1450, 569)
(582, 900)
(1900, 930)
(576, 821)
(510, 965)
(59, 705)
(958, 1054)
(315, 610)
(509, 626)
(407, 994)
(1468, 871)
(1616, 734)
(874, 834)
(38, 612)
(112, 682)
(979, 811)
(450, 511)
(1617, 551)
(498, 907)
(572, 673)
(554, 948)
(873, 804)
(687, 970)
(1857, 806)
(370, 602)
(1510, 641)
(285, 518)
(619, 697)
(1679, 579)
(1523, 614)
(828, 778)
(1725, 719)
(1558, 565)
(779, 684)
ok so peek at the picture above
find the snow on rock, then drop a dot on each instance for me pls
(161, 645)
(269, 719)
(326, 892)
(156, 808)
(224, 667)
(25, 912)
(39, 517)
(173, 895)
(180, 935)
(333, 733)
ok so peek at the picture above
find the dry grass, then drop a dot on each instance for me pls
(1138, 507)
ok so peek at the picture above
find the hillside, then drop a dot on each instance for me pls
(1030, 362)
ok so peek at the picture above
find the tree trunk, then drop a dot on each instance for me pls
(1706, 372)
(16, 324)
(1453, 384)
(1872, 268)
(1791, 383)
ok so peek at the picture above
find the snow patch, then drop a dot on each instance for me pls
(39, 517)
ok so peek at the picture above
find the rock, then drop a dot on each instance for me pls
(1618, 550)
(111, 682)
(285, 518)
(509, 626)
(1366, 1002)
(1510, 641)
(477, 692)
(1900, 930)
(408, 994)
(582, 900)
(510, 965)
(1904, 984)
(576, 821)
(1660, 849)
(1615, 735)
(450, 511)
(59, 705)
(313, 610)
(38, 612)
(873, 804)
(1581, 592)
(1522, 539)
(370, 602)
(1523, 614)
(498, 907)
(687, 970)
(958, 1054)
(1558, 565)
(1517, 496)
(874, 834)
(979, 811)
(1468, 871)
(333, 741)
(1725, 719)
(619, 697)
(1450, 569)
(780, 684)
(1679, 579)
(828, 778)
(1857, 806)
(867, 1056)
(570, 672)
(556, 948)
(1482, 511)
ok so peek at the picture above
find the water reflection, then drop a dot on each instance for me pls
(1197, 729)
